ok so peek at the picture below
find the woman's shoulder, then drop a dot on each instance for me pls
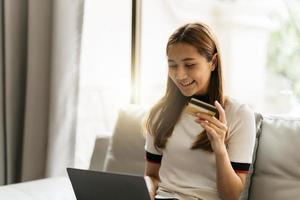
(240, 118)
(235, 108)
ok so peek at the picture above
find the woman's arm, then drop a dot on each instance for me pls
(229, 183)
(152, 177)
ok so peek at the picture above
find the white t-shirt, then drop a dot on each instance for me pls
(191, 174)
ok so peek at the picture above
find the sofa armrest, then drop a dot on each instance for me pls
(99, 153)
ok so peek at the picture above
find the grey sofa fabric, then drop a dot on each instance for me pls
(277, 167)
(126, 149)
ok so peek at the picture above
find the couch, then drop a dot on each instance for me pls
(275, 172)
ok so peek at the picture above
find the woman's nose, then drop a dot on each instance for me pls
(180, 73)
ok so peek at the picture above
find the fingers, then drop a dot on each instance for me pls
(211, 119)
(216, 128)
(210, 126)
(212, 134)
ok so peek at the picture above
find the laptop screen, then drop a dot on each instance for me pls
(95, 185)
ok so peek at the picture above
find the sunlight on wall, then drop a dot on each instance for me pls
(104, 74)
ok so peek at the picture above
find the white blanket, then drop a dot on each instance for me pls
(58, 188)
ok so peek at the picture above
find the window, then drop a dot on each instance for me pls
(283, 61)
(260, 56)
(105, 72)
(260, 68)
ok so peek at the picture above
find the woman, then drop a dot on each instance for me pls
(201, 156)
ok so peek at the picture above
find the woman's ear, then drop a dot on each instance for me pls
(214, 62)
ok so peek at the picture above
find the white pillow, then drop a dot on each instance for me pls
(277, 167)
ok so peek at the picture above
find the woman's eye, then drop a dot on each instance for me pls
(190, 65)
(172, 66)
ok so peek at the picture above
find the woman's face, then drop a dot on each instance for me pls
(189, 70)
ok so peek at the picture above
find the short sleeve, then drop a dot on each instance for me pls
(149, 145)
(152, 154)
(241, 139)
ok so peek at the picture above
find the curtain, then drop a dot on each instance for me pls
(39, 87)
(2, 122)
(14, 35)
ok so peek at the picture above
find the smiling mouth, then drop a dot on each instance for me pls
(186, 84)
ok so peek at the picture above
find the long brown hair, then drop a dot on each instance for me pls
(165, 113)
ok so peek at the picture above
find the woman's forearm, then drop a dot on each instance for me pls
(229, 183)
(152, 184)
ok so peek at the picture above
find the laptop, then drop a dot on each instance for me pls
(95, 185)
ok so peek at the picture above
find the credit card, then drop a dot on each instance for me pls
(194, 106)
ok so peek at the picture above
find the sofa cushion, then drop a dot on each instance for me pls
(126, 149)
(277, 167)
